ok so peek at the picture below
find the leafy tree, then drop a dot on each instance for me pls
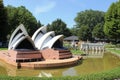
(74, 31)
(48, 27)
(12, 18)
(21, 15)
(98, 31)
(59, 27)
(89, 18)
(112, 21)
(3, 22)
(39, 24)
(84, 33)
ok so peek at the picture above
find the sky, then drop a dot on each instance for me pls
(48, 11)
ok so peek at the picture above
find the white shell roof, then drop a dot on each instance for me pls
(18, 36)
(41, 39)
(20, 40)
(46, 37)
(51, 42)
(20, 27)
(15, 39)
(36, 34)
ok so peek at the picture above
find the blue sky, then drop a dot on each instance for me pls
(49, 10)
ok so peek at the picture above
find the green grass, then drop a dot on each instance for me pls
(3, 48)
(114, 50)
(76, 52)
(73, 50)
(110, 46)
(107, 75)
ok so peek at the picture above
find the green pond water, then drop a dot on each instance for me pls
(88, 65)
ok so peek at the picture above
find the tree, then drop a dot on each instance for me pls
(74, 31)
(84, 33)
(98, 31)
(3, 22)
(21, 15)
(59, 27)
(39, 24)
(89, 18)
(112, 21)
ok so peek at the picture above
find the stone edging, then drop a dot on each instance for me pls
(113, 53)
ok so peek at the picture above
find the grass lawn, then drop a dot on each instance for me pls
(114, 50)
(3, 48)
(113, 74)
(76, 52)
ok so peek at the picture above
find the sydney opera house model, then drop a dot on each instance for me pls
(44, 49)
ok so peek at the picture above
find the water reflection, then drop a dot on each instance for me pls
(94, 53)
(88, 65)
(69, 72)
(3, 71)
(8, 69)
(44, 74)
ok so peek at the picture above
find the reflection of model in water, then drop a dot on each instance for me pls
(44, 74)
(95, 54)
(8, 69)
(70, 72)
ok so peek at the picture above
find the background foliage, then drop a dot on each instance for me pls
(3, 22)
(20, 15)
(112, 21)
(90, 24)
(86, 22)
(59, 27)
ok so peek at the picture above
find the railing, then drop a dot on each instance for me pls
(92, 46)
(93, 49)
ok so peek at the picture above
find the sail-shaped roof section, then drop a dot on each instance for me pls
(18, 36)
(19, 29)
(44, 39)
(38, 34)
(55, 42)
(24, 42)
(20, 39)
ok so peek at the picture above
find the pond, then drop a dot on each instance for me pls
(86, 66)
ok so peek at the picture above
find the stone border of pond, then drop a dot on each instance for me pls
(112, 52)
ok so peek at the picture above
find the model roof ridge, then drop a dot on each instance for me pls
(40, 39)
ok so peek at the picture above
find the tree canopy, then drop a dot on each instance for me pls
(98, 31)
(88, 19)
(112, 21)
(59, 27)
(90, 24)
(84, 33)
(20, 15)
(3, 22)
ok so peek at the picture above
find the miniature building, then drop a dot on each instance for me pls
(21, 47)
(51, 46)
(43, 45)
(20, 39)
